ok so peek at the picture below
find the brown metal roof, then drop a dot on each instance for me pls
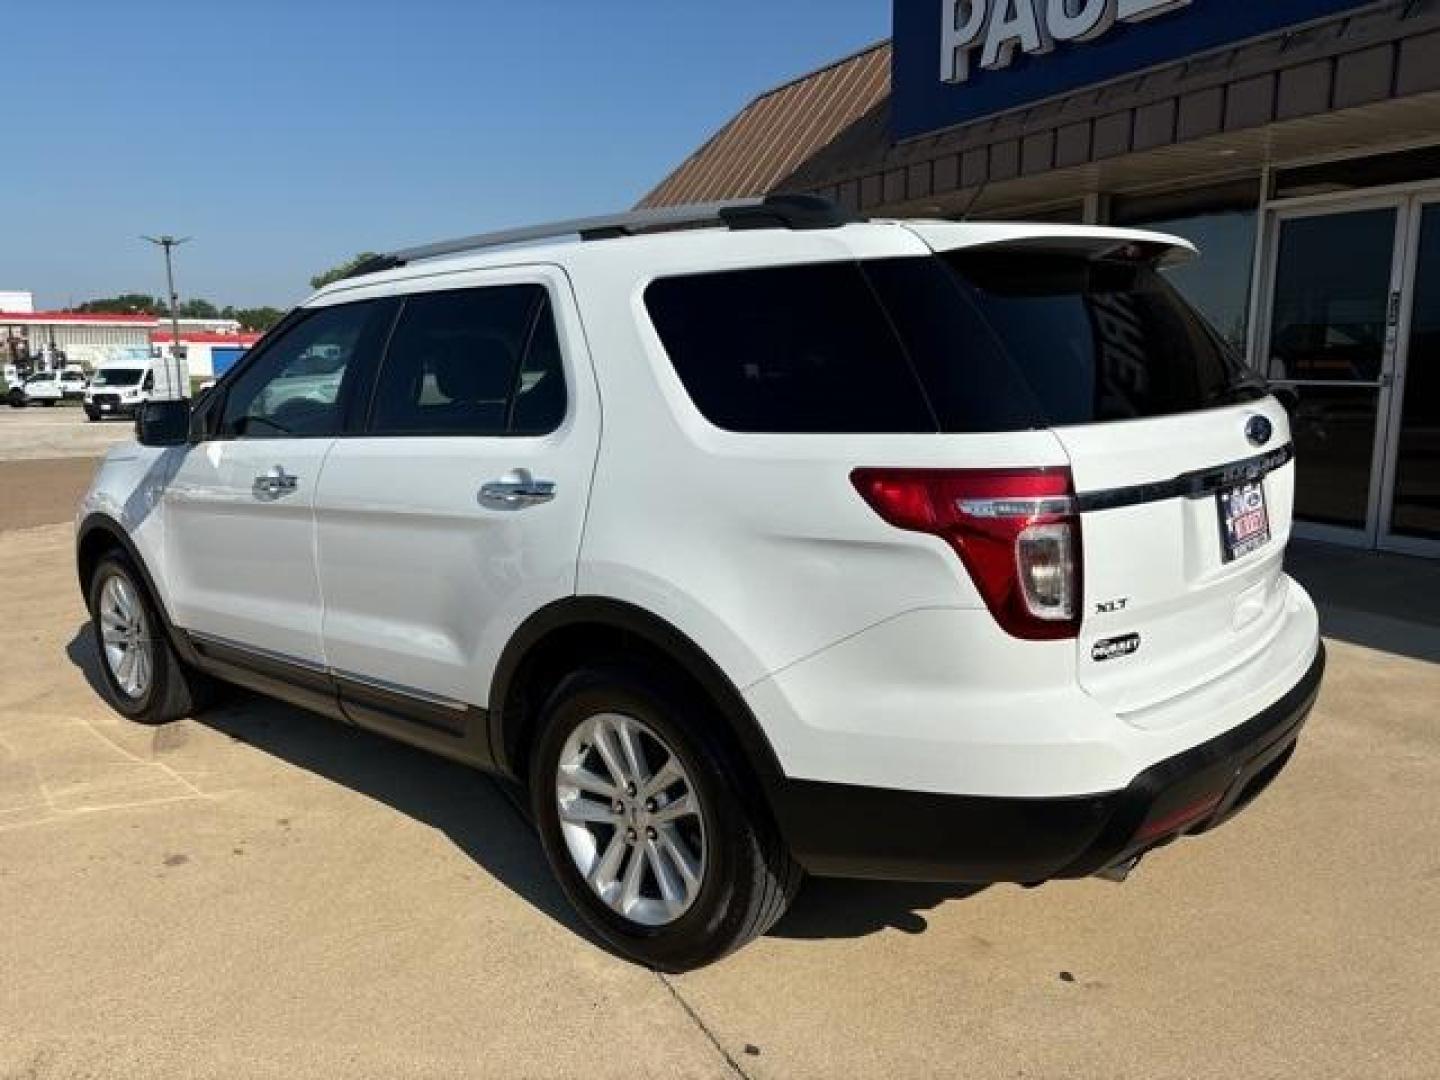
(780, 130)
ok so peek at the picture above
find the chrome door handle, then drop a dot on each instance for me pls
(516, 490)
(275, 483)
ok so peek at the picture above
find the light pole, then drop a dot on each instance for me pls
(169, 243)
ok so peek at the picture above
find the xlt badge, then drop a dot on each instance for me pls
(1110, 648)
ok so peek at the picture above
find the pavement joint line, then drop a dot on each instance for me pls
(165, 768)
(58, 814)
(704, 1027)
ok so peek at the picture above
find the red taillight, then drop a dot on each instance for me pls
(1016, 530)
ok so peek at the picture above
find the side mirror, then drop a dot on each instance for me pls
(163, 423)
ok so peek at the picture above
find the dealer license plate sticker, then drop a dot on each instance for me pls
(1244, 520)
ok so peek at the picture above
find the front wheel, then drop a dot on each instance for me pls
(143, 677)
(651, 825)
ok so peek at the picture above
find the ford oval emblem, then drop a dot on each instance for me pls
(1258, 430)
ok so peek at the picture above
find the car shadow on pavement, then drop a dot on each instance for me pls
(836, 908)
(462, 803)
(483, 820)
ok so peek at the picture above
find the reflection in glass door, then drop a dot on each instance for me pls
(1329, 345)
(1412, 504)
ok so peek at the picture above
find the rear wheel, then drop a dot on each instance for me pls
(650, 824)
(145, 680)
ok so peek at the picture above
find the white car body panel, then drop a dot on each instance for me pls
(239, 567)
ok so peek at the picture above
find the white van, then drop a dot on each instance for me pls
(120, 387)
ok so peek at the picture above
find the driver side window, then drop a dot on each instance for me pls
(295, 388)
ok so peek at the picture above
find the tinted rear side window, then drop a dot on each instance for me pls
(483, 361)
(971, 380)
(788, 349)
(1099, 339)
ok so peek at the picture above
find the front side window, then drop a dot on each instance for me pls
(482, 361)
(296, 386)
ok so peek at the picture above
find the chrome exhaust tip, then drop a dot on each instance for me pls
(1120, 871)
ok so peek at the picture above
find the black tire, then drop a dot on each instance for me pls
(49, 404)
(174, 690)
(749, 877)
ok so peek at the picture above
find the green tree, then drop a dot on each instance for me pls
(335, 273)
(125, 304)
(199, 309)
(261, 318)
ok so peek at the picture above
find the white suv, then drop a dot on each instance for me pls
(750, 540)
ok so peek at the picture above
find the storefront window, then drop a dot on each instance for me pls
(1221, 224)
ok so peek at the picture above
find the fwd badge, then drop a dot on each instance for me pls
(1114, 647)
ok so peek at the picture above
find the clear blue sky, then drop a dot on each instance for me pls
(285, 136)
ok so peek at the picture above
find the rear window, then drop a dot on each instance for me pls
(958, 343)
(1101, 339)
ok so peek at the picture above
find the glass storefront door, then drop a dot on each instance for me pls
(1351, 339)
(1330, 351)
(1410, 506)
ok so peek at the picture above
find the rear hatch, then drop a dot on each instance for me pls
(1180, 459)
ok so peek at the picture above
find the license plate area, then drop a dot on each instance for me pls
(1244, 519)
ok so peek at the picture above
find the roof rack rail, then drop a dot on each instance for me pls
(771, 212)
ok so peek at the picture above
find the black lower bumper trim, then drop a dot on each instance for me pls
(839, 830)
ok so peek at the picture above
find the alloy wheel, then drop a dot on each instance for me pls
(125, 636)
(631, 819)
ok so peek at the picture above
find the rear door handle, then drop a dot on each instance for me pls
(516, 490)
(275, 483)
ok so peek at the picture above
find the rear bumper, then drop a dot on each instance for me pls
(844, 830)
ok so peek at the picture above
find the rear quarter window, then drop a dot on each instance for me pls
(788, 349)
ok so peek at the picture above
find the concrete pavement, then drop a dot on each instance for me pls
(62, 431)
(260, 893)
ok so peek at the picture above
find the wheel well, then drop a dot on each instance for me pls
(95, 543)
(525, 683)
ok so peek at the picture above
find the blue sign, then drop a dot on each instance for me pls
(959, 60)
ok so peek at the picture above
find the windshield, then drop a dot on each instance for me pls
(117, 377)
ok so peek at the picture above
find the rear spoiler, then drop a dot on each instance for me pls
(1089, 241)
